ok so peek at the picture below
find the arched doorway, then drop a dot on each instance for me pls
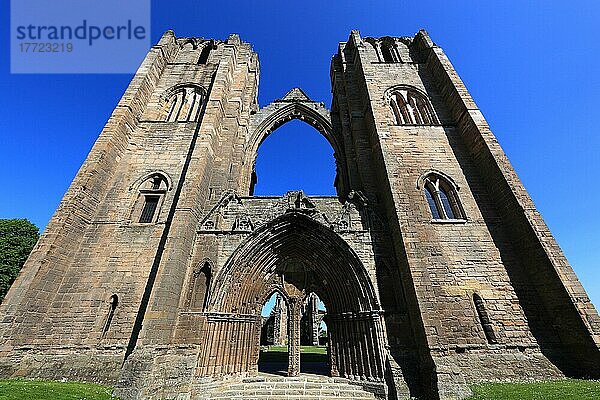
(295, 255)
(314, 351)
(273, 356)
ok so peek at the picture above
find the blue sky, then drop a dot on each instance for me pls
(531, 66)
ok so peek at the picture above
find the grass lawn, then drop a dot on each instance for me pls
(313, 349)
(280, 354)
(276, 349)
(570, 389)
(21, 389)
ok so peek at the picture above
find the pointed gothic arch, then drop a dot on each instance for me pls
(294, 156)
(296, 255)
(182, 103)
(293, 236)
(295, 105)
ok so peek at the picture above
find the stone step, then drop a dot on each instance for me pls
(288, 385)
(288, 392)
(291, 397)
(275, 388)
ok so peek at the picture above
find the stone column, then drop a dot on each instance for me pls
(294, 316)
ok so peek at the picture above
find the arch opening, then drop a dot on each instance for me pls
(273, 356)
(314, 353)
(296, 256)
(296, 105)
(294, 157)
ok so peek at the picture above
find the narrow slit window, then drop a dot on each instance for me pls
(484, 319)
(149, 209)
(432, 206)
(113, 303)
(446, 204)
(396, 110)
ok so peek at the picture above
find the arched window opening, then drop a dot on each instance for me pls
(294, 157)
(324, 334)
(204, 54)
(389, 50)
(484, 319)
(149, 209)
(410, 107)
(112, 306)
(442, 198)
(200, 287)
(273, 356)
(184, 104)
(151, 195)
(416, 113)
(425, 111)
(386, 53)
(397, 113)
(446, 206)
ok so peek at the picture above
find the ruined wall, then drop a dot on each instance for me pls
(220, 234)
(94, 246)
(486, 294)
(495, 250)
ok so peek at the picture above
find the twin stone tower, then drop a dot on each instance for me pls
(434, 265)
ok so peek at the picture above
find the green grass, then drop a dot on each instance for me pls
(313, 349)
(276, 349)
(21, 389)
(570, 389)
(280, 354)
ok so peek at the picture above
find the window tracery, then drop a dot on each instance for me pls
(410, 107)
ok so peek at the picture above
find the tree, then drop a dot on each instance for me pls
(17, 238)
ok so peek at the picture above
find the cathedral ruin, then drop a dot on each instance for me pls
(433, 263)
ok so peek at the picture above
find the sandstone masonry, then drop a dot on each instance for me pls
(435, 267)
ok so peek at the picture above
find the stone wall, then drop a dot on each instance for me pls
(487, 253)
(428, 304)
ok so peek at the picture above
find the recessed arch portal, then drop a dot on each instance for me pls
(295, 255)
(288, 243)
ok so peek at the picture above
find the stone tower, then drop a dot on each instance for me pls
(434, 265)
